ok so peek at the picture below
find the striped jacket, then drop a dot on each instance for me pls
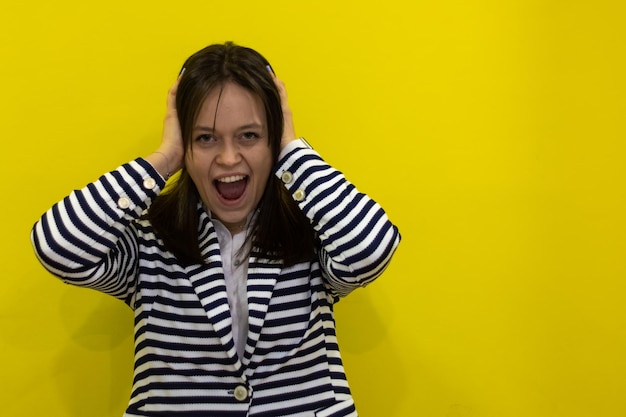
(186, 362)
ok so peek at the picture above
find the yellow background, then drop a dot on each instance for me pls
(491, 131)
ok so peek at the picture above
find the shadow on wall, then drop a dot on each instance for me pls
(372, 364)
(94, 371)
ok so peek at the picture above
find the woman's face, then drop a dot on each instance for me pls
(230, 159)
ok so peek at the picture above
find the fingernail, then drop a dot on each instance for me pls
(181, 72)
(269, 69)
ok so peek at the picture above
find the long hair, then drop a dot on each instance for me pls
(280, 230)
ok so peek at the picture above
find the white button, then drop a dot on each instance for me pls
(123, 202)
(299, 195)
(287, 177)
(241, 393)
(149, 183)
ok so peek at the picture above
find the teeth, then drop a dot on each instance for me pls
(232, 178)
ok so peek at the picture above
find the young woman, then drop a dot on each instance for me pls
(233, 270)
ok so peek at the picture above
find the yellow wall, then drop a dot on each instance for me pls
(492, 132)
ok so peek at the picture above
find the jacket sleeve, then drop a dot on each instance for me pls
(89, 239)
(357, 238)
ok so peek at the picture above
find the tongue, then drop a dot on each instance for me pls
(231, 190)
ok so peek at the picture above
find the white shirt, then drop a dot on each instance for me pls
(235, 263)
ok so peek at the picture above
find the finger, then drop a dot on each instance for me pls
(171, 95)
(282, 92)
(278, 82)
(281, 87)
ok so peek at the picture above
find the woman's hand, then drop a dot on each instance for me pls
(168, 158)
(289, 132)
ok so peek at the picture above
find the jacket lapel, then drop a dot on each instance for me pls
(209, 284)
(262, 276)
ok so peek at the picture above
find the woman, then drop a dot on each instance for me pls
(232, 271)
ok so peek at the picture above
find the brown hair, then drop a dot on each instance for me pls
(280, 230)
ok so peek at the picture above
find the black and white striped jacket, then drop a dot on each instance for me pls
(185, 359)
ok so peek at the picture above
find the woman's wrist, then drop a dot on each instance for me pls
(166, 163)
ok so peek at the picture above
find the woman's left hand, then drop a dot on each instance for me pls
(289, 132)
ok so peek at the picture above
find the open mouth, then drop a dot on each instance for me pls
(231, 188)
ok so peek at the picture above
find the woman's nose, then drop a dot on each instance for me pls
(229, 154)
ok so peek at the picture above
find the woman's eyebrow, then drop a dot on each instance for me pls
(252, 125)
(203, 128)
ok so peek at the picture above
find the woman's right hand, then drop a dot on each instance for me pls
(168, 158)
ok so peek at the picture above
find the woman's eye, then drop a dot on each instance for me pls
(250, 135)
(205, 138)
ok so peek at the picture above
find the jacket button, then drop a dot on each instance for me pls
(240, 393)
(287, 177)
(123, 203)
(299, 195)
(149, 183)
